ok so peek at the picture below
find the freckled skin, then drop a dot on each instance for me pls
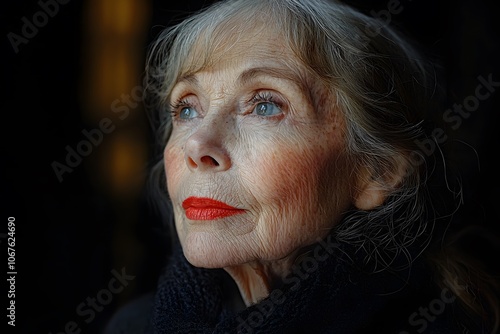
(289, 173)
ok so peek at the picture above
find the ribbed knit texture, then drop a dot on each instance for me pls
(331, 294)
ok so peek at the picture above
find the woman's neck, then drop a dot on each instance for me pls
(255, 280)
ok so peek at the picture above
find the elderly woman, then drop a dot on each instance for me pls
(291, 135)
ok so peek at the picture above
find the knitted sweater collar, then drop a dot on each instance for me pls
(330, 290)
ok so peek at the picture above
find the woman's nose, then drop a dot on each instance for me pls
(204, 153)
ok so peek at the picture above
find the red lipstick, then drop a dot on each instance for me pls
(198, 208)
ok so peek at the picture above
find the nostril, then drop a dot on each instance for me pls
(191, 162)
(208, 160)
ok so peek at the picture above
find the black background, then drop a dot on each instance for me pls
(65, 231)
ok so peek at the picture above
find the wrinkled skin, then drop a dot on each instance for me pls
(257, 132)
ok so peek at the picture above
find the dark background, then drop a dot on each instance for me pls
(71, 234)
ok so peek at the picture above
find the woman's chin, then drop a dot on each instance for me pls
(208, 251)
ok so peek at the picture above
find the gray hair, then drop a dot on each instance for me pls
(383, 87)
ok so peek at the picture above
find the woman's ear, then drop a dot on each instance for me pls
(372, 188)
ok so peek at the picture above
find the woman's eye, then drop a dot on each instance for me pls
(188, 113)
(266, 109)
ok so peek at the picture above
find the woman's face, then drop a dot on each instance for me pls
(256, 165)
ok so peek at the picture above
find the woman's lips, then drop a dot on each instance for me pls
(198, 208)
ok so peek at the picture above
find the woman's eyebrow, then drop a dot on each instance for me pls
(255, 73)
(189, 79)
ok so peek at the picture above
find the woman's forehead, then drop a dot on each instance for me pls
(231, 45)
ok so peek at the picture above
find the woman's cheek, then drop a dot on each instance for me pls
(281, 172)
(288, 219)
(299, 186)
(174, 165)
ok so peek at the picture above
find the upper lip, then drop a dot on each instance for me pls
(204, 202)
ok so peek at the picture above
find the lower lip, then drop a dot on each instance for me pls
(210, 213)
(208, 209)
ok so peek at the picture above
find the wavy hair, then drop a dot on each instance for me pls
(387, 91)
(382, 86)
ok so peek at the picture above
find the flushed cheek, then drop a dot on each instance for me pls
(295, 210)
(280, 175)
(174, 166)
(292, 168)
(174, 169)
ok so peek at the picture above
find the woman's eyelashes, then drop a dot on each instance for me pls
(183, 109)
(262, 104)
